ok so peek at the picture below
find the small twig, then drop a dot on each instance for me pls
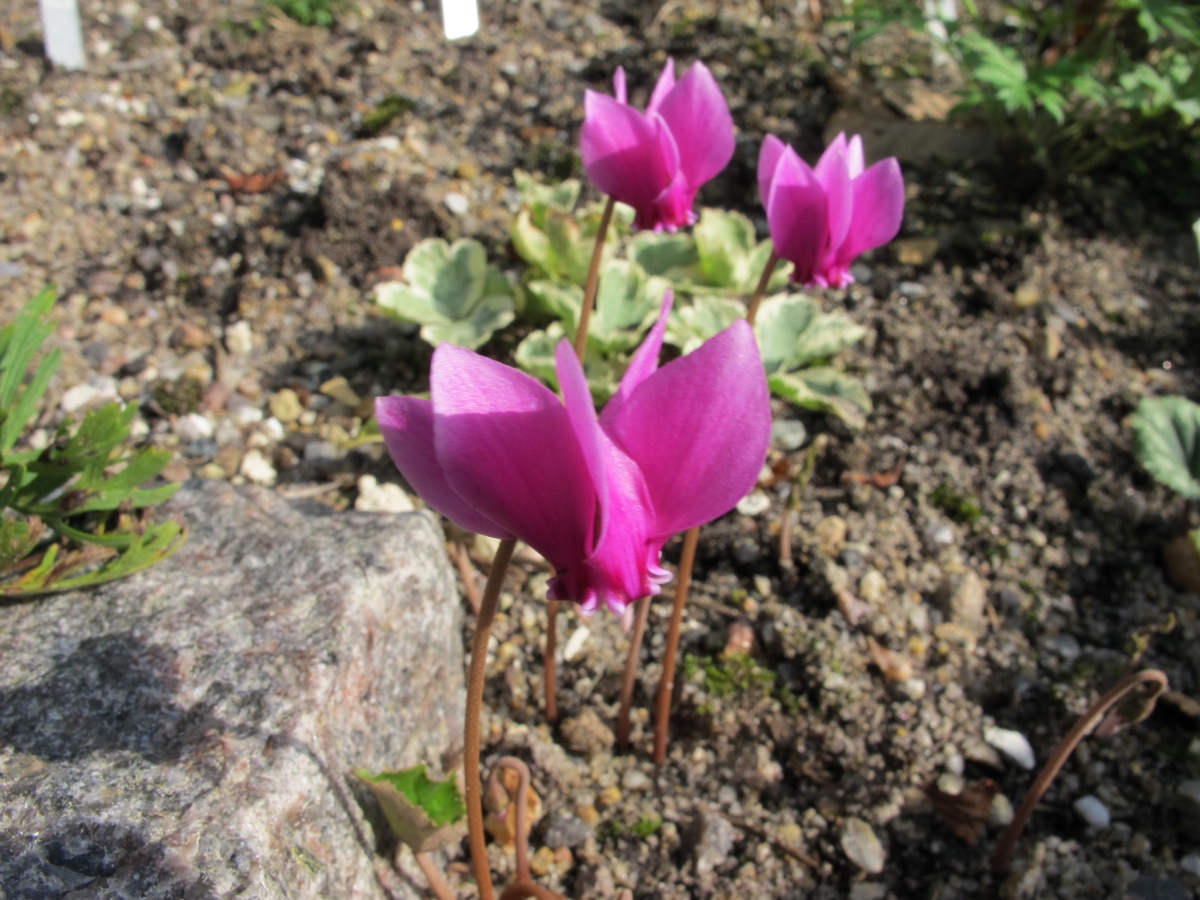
(1091, 718)
(437, 882)
(666, 686)
(795, 852)
(631, 665)
(877, 479)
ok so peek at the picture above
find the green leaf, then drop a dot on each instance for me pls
(672, 256)
(531, 243)
(1166, 442)
(489, 316)
(19, 341)
(691, 324)
(627, 303)
(827, 390)
(781, 322)
(17, 539)
(407, 304)
(725, 242)
(539, 197)
(423, 813)
(535, 355)
(452, 275)
(570, 247)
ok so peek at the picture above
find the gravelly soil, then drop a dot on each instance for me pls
(207, 200)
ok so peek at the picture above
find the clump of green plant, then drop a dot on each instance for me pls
(379, 116)
(960, 507)
(647, 825)
(310, 13)
(452, 292)
(735, 675)
(70, 514)
(424, 813)
(1166, 441)
(1080, 82)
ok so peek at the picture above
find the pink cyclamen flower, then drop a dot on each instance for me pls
(822, 218)
(656, 161)
(499, 454)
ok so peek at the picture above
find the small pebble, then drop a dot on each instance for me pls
(193, 427)
(239, 339)
(714, 838)
(636, 780)
(320, 451)
(754, 504)
(861, 846)
(257, 469)
(1093, 811)
(788, 434)
(285, 406)
(242, 411)
(381, 498)
(1012, 744)
(575, 643)
(457, 203)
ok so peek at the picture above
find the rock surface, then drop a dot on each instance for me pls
(190, 731)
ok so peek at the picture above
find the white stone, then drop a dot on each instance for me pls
(862, 847)
(381, 498)
(194, 427)
(242, 411)
(754, 504)
(239, 339)
(272, 429)
(1094, 812)
(575, 642)
(457, 203)
(256, 468)
(1012, 744)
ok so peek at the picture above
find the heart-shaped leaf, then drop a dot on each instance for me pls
(423, 813)
(535, 355)
(1166, 441)
(627, 304)
(691, 324)
(489, 316)
(539, 197)
(780, 326)
(825, 390)
(452, 275)
(724, 242)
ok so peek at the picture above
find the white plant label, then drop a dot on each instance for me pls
(62, 32)
(460, 18)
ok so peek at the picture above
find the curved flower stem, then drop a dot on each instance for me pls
(1088, 721)
(549, 664)
(631, 664)
(666, 687)
(593, 279)
(437, 882)
(761, 290)
(520, 805)
(523, 889)
(475, 679)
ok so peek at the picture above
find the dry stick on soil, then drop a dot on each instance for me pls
(475, 679)
(666, 687)
(462, 559)
(1155, 680)
(631, 664)
(437, 883)
(549, 665)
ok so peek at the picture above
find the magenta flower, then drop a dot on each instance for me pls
(499, 454)
(656, 161)
(821, 219)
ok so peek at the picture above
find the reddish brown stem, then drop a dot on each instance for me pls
(1088, 721)
(475, 679)
(437, 882)
(462, 559)
(631, 665)
(666, 687)
(593, 279)
(520, 805)
(761, 290)
(549, 664)
(522, 890)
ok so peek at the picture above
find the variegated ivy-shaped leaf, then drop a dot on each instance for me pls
(627, 302)
(691, 324)
(1166, 441)
(451, 292)
(423, 813)
(720, 256)
(539, 197)
(797, 340)
(535, 355)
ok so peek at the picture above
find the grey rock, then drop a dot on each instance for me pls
(190, 731)
(1158, 887)
(564, 830)
(788, 434)
(714, 838)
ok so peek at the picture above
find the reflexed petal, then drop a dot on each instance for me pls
(768, 159)
(701, 124)
(698, 430)
(619, 85)
(624, 152)
(798, 215)
(836, 148)
(407, 424)
(581, 412)
(644, 362)
(878, 209)
(508, 449)
(834, 177)
(664, 86)
(854, 156)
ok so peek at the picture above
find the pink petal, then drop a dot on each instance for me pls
(581, 413)
(407, 424)
(768, 159)
(878, 209)
(854, 156)
(834, 175)
(699, 119)
(664, 86)
(644, 362)
(508, 449)
(698, 430)
(836, 148)
(619, 85)
(798, 215)
(624, 152)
